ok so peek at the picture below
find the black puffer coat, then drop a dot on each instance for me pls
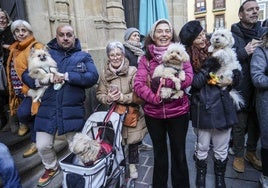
(211, 105)
(132, 58)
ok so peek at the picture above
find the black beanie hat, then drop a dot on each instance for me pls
(189, 32)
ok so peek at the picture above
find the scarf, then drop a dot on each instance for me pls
(157, 52)
(135, 47)
(116, 71)
(251, 33)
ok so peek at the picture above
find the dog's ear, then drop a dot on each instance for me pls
(165, 57)
(32, 50)
(185, 56)
(45, 48)
(231, 42)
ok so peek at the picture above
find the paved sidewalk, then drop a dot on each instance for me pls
(249, 179)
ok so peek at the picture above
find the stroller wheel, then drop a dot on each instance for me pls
(130, 183)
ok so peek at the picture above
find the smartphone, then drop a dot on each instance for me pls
(256, 41)
(113, 87)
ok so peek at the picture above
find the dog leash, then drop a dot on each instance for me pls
(106, 120)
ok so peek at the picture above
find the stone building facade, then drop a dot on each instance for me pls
(95, 21)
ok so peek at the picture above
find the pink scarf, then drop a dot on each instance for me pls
(157, 52)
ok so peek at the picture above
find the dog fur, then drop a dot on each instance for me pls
(42, 67)
(172, 68)
(85, 148)
(221, 48)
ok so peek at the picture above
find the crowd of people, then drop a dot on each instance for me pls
(128, 74)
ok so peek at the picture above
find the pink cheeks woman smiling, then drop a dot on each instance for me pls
(116, 57)
(200, 40)
(162, 35)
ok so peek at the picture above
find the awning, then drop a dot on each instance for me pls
(151, 11)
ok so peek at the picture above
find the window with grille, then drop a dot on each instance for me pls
(203, 22)
(219, 21)
(218, 4)
(200, 5)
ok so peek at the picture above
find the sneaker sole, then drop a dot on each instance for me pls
(45, 184)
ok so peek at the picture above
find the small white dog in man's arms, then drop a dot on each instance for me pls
(43, 68)
(172, 68)
(222, 42)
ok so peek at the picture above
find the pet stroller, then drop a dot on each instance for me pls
(109, 171)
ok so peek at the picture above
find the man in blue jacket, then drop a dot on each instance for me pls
(62, 108)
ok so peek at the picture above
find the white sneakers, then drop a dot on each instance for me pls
(133, 172)
(264, 181)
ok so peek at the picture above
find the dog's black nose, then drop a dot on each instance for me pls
(43, 58)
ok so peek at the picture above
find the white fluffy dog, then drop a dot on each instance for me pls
(85, 148)
(42, 67)
(221, 48)
(172, 68)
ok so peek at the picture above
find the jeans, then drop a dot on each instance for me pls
(248, 123)
(8, 171)
(25, 116)
(176, 130)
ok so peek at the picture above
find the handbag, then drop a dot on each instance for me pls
(135, 98)
(131, 114)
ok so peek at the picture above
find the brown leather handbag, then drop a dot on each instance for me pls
(131, 114)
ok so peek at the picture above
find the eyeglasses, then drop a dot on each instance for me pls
(160, 31)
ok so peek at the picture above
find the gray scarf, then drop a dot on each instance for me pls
(135, 47)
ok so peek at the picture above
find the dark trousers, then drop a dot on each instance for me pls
(25, 116)
(176, 130)
(133, 155)
(248, 123)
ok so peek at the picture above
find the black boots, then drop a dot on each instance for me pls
(219, 169)
(201, 172)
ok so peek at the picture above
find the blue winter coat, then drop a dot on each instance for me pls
(63, 109)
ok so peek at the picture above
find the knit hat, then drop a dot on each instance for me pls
(129, 31)
(156, 24)
(189, 32)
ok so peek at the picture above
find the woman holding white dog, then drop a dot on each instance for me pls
(116, 84)
(19, 81)
(213, 113)
(164, 117)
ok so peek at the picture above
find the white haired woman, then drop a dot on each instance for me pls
(117, 72)
(19, 81)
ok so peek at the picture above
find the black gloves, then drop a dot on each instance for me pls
(236, 77)
(211, 65)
